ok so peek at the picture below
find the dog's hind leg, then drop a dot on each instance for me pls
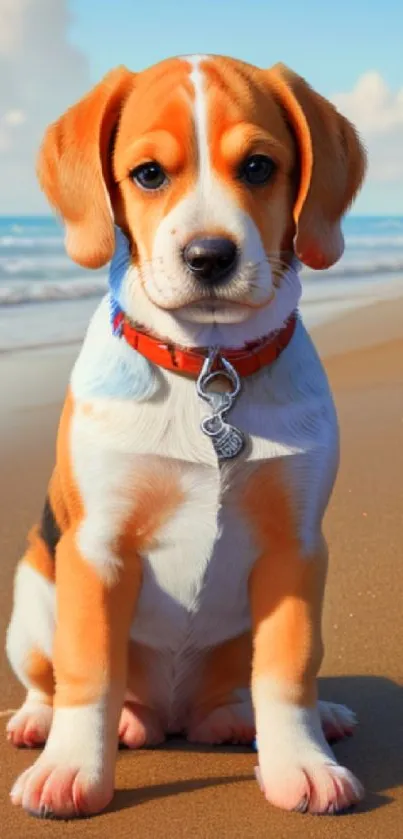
(140, 722)
(337, 721)
(29, 644)
(30, 725)
(222, 709)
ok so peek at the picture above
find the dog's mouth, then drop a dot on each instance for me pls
(234, 300)
(219, 310)
(217, 301)
(213, 311)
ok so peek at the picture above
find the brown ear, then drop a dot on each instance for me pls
(74, 169)
(332, 167)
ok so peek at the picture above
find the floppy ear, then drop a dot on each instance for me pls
(74, 168)
(332, 167)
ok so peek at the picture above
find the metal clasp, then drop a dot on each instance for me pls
(226, 371)
(228, 441)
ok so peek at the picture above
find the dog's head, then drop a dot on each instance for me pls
(216, 171)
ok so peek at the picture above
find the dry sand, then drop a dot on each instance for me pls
(181, 791)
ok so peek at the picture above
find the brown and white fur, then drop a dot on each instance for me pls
(163, 592)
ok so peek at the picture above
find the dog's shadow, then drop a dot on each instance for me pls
(374, 754)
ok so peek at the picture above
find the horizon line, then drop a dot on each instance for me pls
(54, 216)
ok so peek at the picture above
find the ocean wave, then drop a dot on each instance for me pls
(20, 266)
(9, 241)
(52, 291)
(347, 269)
(388, 223)
(367, 240)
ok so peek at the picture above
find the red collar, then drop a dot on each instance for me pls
(246, 361)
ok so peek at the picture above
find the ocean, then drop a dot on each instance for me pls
(45, 299)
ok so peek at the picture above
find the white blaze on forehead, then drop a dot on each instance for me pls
(200, 116)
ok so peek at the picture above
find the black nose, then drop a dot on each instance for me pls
(210, 260)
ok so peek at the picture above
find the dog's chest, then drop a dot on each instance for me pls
(194, 591)
(201, 546)
(151, 451)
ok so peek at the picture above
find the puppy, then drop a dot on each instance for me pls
(176, 580)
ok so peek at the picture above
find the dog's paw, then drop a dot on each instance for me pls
(74, 775)
(297, 769)
(139, 726)
(57, 790)
(311, 785)
(337, 721)
(226, 724)
(30, 725)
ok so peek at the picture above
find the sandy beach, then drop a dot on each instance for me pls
(181, 791)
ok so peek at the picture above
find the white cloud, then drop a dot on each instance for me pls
(41, 74)
(15, 118)
(378, 114)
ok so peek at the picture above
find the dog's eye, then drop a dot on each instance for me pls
(149, 176)
(257, 169)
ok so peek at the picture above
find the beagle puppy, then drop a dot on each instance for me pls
(175, 581)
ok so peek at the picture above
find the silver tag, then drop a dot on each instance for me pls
(228, 441)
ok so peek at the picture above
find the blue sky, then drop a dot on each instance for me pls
(330, 44)
(53, 51)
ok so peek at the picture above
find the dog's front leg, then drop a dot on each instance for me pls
(75, 773)
(297, 769)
